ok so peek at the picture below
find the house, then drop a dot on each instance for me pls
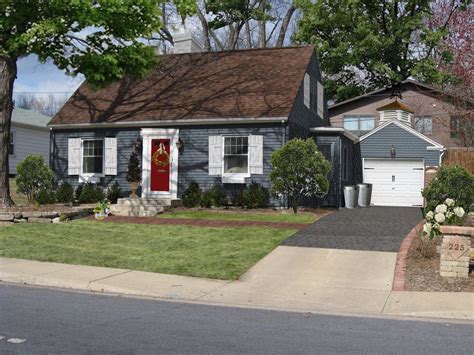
(204, 117)
(403, 133)
(29, 134)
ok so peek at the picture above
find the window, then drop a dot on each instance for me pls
(424, 124)
(320, 100)
(236, 155)
(11, 144)
(307, 90)
(345, 163)
(359, 124)
(93, 156)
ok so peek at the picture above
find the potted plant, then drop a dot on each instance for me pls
(101, 211)
(134, 173)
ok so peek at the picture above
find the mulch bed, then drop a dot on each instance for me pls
(203, 223)
(422, 274)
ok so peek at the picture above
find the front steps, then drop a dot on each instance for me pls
(143, 207)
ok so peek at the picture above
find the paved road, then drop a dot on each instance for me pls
(66, 322)
(373, 229)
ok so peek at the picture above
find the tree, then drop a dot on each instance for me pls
(47, 105)
(299, 170)
(365, 45)
(102, 39)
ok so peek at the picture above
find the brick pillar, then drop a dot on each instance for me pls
(455, 251)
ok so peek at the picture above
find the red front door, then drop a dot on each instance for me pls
(160, 165)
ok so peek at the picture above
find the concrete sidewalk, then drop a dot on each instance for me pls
(294, 279)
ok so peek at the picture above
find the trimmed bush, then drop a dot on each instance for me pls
(256, 196)
(192, 196)
(91, 193)
(237, 198)
(78, 191)
(33, 176)
(215, 197)
(453, 182)
(114, 192)
(65, 193)
(45, 197)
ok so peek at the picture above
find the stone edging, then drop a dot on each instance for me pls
(400, 266)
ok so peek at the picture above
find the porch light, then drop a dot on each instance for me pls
(180, 145)
(392, 151)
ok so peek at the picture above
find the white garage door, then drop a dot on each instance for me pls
(395, 182)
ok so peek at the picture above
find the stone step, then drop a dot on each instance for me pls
(134, 213)
(150, 202)
(125, 208)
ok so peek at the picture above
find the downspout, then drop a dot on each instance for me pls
(441, 156)
(284, 139)
(51, 137)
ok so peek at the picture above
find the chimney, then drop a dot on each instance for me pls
(186, 42)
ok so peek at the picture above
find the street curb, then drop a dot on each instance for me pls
(402, 254)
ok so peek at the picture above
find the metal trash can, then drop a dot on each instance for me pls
(365, 194)
(351, 196)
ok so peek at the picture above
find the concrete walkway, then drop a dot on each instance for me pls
(297, 279)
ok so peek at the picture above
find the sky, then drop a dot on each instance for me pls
(43, 78)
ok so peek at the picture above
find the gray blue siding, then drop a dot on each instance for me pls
(407, 145)
(193, 161)
(301, 118)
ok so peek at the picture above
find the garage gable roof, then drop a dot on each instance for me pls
(435, 145)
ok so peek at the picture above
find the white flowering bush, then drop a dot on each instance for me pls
(445, 213)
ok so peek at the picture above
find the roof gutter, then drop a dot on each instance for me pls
(339, 130)
(171, 123)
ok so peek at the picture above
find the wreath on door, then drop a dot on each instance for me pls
(161, 157)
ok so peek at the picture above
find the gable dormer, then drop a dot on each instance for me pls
(395, 110)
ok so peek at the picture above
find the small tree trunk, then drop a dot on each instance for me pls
(284, 26)
(261, 27)
(295, 201)
(7, 77)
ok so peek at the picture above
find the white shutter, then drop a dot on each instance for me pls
(74, 156)
(215, 155)
(320, 100)
(256, 154)
(307, 90)
(110, 156)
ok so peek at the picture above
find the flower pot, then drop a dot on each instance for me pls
(101, 215)
(133, 189)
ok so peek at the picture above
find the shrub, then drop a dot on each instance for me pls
(256, 196)
(134, 173)
(45, 197)
(91, 193)
(78, 191)
(215, 196)
(424, 246)
(114, 192)
(192, 196)
(299, 170)
(65, 193)
(237, 198)
(452, 182)
(33, 176)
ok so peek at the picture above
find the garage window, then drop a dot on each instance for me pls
(359, 124)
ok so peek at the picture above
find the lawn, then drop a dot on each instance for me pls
(19, 199)
(242, 215)
(221, 253)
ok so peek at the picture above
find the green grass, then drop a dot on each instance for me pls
(271, 216)
(221, 253)
(19, 199)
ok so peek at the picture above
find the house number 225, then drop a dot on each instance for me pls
(452, 246)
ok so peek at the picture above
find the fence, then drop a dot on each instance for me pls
(460, 156)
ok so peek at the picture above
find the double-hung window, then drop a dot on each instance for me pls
(93, 156)
(359, 124)
(423, 124)
(236, 155)
(11, 144)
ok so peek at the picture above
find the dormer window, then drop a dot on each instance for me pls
(396, 110)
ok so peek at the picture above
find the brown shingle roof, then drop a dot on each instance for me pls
(229, 84)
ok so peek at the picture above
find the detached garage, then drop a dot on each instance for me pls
(395, 158)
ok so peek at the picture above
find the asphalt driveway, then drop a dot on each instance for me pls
(372, 229)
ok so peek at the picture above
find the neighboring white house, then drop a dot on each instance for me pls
(29, 135)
